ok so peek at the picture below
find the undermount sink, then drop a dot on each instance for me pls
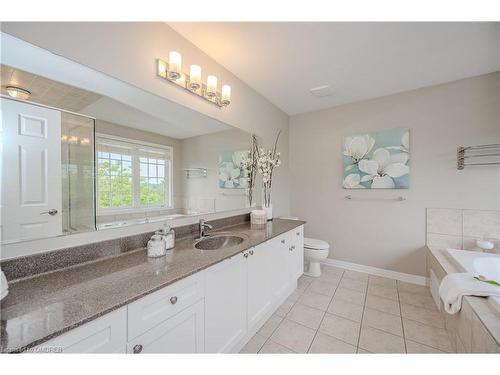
(219, 241)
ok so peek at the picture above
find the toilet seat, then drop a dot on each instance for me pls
(314, 244)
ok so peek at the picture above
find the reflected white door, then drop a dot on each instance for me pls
(31, 175)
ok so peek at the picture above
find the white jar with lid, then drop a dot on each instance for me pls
(156, 246)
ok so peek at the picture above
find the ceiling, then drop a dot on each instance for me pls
(46, 91)
(283, 61)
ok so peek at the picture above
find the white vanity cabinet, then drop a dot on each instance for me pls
(107, 334)
(225, 304)
(216, 310)
(182, 333)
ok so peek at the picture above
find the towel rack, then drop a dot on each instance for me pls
(195, 172)
(484, 152)
(398, 199)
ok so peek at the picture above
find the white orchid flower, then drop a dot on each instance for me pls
(352, 181)
(228, 174)
(357, 148)
(405, 144)
(383, 167)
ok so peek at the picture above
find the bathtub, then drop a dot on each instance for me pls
(485, 264)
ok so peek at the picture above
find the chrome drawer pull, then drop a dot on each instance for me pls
(251, 252)
(298, 233)
(282, 241)
(245, 255)
(137, 349)
(173, 300)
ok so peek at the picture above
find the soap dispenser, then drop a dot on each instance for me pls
(168, 236)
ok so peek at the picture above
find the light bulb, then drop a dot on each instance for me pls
(225, 95)
(195, 77)
(211, 86)
(174, 65)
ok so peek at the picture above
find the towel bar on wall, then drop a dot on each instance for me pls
(483, 152)
(398, 199)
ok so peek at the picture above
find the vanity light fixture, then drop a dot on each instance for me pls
(172, 72)
(18, 92)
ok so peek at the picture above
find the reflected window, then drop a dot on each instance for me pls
(132, 175)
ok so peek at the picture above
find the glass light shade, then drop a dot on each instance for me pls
(162, 68)
(18, 92)
(211, 86)
(195, 77)
(174, 65)
(225, 95)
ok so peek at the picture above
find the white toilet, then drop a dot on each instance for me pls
(314, 252)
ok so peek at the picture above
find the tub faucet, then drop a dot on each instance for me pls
(204, 226)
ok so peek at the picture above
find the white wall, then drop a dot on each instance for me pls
(128, 51)
(391, 235)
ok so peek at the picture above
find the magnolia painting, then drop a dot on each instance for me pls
(232, 172)
(377, 160)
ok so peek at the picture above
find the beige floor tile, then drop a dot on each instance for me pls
(295, 295)
(418, 300)
(305, 315)
(346, 309)
(332, 270)
(383, 304)
(350, 295)
(363, 351)
(340, 328)
(316, 300)
(377, 341)
(271, 347)
(355, 275)
(424, 316)
(359, 285)
(284, 308)
(383, 291)
(413, 288)
(382, 281)
(303, 282)
(254, 345)
(330, 278)
(427, 335)
(327, 344)
(383, 321)
(415, 347)
(270, 326)
(294, 336)
(321, 287)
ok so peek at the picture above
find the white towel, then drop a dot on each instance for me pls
(456, 285)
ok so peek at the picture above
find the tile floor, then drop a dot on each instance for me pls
(351, 312)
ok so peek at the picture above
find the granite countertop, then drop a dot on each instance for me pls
(483, 307)
(44, 306)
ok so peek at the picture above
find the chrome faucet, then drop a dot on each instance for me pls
(204, 226)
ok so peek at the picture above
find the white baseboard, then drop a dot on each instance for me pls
(407, 277)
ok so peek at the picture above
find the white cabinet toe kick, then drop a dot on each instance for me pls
(216, 310)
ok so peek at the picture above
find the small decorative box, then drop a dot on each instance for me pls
(258, 217)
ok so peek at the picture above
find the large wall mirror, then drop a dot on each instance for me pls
(83, 151)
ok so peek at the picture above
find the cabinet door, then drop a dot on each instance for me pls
(225, 304)
(297, 252)
(182, 333)
(280, 275)
(260, 294)
(107, 334)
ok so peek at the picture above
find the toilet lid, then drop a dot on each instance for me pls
(312, 243)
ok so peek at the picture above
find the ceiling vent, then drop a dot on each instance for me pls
(322, 91)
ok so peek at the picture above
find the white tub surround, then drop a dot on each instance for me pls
(476, 328)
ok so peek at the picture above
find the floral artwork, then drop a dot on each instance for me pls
(232, 172)
(377, 160)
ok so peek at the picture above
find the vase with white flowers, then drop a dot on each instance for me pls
(249, 167)
(267, 161)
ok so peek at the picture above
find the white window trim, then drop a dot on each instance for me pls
(135, 176)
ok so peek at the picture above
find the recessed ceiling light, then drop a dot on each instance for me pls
(322, 91)
(18, 92)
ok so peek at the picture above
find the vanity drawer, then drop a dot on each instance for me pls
(153, 309)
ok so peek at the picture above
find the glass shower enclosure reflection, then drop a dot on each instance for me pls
(78, 188)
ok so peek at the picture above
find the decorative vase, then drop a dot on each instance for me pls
(269, 211)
